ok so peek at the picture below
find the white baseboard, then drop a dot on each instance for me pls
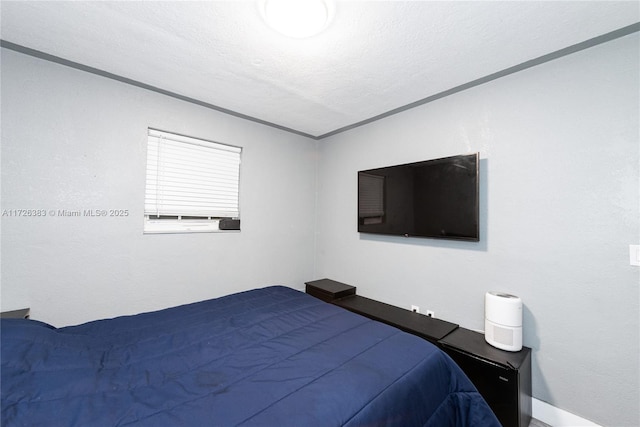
(557, 417)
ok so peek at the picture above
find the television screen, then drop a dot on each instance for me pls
(432, 198)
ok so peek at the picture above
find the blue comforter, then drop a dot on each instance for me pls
(266, 357)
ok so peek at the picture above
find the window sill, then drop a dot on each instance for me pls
(184, 226)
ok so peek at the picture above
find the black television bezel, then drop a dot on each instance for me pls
(476, 207)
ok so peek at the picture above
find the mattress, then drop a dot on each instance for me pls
(266, 357)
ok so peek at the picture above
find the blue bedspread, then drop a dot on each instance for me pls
(266, 357)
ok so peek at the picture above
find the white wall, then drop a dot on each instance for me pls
(559, 206)
(73, 140)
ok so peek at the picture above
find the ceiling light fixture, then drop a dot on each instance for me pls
(297, 18)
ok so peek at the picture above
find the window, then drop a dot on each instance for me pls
(192, 184)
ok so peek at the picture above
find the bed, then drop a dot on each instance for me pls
(266, 357)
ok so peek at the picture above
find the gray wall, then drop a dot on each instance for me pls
(559, 206)
(73, 140)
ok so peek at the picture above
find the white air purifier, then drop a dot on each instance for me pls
(503, 321)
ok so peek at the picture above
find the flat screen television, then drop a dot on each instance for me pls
(436, 198)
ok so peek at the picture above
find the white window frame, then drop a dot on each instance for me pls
(191, 184)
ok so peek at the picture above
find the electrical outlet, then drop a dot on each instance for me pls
(430, 313)
(415, 309)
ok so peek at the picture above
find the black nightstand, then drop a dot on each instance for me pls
(329, 290)
(23, 313)
(503, 378)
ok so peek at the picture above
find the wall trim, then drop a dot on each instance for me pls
(595, 41)
(98, 72)
(557, 417)
(604, 38)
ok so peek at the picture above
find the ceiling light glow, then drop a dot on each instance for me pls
(297, 18)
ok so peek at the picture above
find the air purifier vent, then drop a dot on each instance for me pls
(503, 321)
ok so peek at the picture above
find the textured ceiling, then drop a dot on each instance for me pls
(375, 57)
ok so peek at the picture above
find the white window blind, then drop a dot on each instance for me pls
(189, 177)
(371, 195)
